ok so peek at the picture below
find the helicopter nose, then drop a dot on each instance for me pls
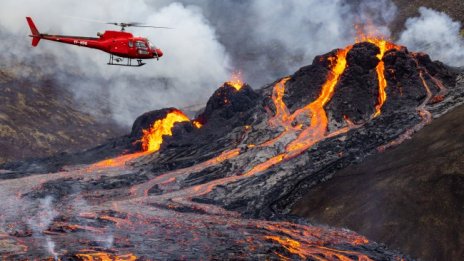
(158, 52)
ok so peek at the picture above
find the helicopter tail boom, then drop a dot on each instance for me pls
(36, 36)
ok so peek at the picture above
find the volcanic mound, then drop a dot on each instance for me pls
(220, 186)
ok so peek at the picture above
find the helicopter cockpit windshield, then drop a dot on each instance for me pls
(151, 45)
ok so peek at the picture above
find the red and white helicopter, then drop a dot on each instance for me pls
(119, 44)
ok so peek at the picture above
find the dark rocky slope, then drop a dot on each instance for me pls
(38, 117)
(411, 197)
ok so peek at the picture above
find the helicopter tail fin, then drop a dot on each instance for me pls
(35, 33)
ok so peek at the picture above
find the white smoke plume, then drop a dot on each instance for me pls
(79, 205)
(270, 39)
(42, 219)
(262, 39)
(51, 247)
(197, 63)
(437, 34)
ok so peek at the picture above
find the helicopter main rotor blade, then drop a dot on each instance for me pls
(137, 24)
(151, 26)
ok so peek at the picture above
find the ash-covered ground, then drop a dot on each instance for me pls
(221, 187)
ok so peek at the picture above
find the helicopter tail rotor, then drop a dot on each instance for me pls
(35, 33)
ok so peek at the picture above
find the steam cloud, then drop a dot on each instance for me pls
(42, 220)
(197, 62)
(263, 40)
(22, 214)
(436, 34)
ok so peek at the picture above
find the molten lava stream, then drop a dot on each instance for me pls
(282, 114)
(151, 140)
(319, 121)
(141, 190)
(300, 241)
(101, 256)
(384, 46)
(312, 134)
(313, 252)
(117, 162)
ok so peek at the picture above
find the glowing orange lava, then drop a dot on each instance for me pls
(153, 138)
(101, 256)
(236, 81)
(116, 162)
(384, 46)
(197, 124)
(282, 115)
(290, 245)
(319, 121)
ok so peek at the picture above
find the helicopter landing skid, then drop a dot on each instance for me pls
(119, 61)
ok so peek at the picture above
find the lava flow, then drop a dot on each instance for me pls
(317, 129)
(100, 256)
(318, 126)
(153, 138)
(384, 46)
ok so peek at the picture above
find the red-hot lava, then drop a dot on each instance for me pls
(102, 256)
(153, 137)
(151, 140)
(317, 130)
(384, 46)
(236, 81)
(197, 124)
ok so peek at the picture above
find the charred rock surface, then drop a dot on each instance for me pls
(39, 118)
(253, 157)
(227, 102)
(317, 164)
(419, 186)
(357, 95)
(58, 162)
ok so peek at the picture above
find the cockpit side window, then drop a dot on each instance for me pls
(131, 44)
(141, 45)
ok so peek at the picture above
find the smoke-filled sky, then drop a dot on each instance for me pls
(263, 39)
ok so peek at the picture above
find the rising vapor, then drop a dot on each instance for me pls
(437, 34)
(267, 42)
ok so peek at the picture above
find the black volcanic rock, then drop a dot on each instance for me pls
(419, 186)
(357, 92)
(437, 69)
(228, 101)
(403, 78)
(364, 56)
(304, 85)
